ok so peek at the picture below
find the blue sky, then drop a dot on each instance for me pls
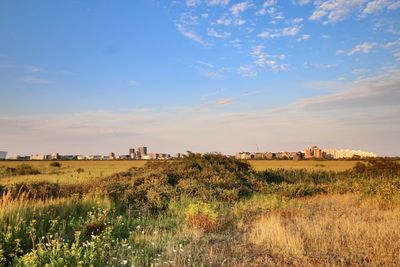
(202, 75)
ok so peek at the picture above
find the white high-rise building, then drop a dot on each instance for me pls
(334, 153)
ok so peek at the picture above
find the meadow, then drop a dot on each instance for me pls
(93, 170)
(200, 211)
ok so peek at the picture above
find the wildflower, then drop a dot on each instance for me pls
(43, 237)
(143, 232)
(124, 262)
(138, 227)
(129, 247)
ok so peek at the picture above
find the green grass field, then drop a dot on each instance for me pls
(68, 173)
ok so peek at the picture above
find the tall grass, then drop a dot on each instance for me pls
(335, 230)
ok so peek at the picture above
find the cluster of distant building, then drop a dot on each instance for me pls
(140, 153)
(270, 155)
(134, 154)
(313, 152)
(333, 153)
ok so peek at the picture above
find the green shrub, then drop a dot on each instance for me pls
(209, 177)
(23, 169)
(378, 167)
(55, 164)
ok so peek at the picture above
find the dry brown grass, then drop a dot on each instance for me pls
(326, 165)
(332, 230)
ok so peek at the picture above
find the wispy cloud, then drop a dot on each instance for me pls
(276, 33)
(365, 47)
(33, 69)
(30, 79)
(221, 35)
(190, 34)
(262, 59)
(378, 90)
(335, 10)
(247, 71)
(238, 8)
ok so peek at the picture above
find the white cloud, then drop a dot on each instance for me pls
(212, 32)
(224, 101)
(33, 69)
(262, 59)
(205, 64)
(238, 8)
(239, 22)
(217, 2)
(190, 34)
(378, 5)
(304, 37)
(189, 19)
(378, 90)
(297, 20)
(224, 20)
(301, 2)
(247, 71)
(390, 44)
(395, 5)
(236, 43)
(34, 80)
(375, 6)
(320, 65)
(335, 10)
(269, 3)
(291, 31)
(264, 35)
(215, 75)
(193, 3)
(365, 47)
(276, 33)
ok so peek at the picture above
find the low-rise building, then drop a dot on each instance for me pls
(38, 157)
(3, 155)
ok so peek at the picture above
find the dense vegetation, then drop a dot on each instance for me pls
(210, 210)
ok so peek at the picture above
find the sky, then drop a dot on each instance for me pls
(91, 77)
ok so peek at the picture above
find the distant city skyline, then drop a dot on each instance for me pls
(91, 77)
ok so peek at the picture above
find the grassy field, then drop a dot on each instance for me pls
(200, 211)
(68, 173)
(327, 165)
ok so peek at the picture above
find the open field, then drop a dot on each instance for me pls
(327, 165)
(68, 173)
(200, 211)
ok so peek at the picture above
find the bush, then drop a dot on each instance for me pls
(55, 164)
(209, 177)
(23, 169)
(379, 166)
(43, 190)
